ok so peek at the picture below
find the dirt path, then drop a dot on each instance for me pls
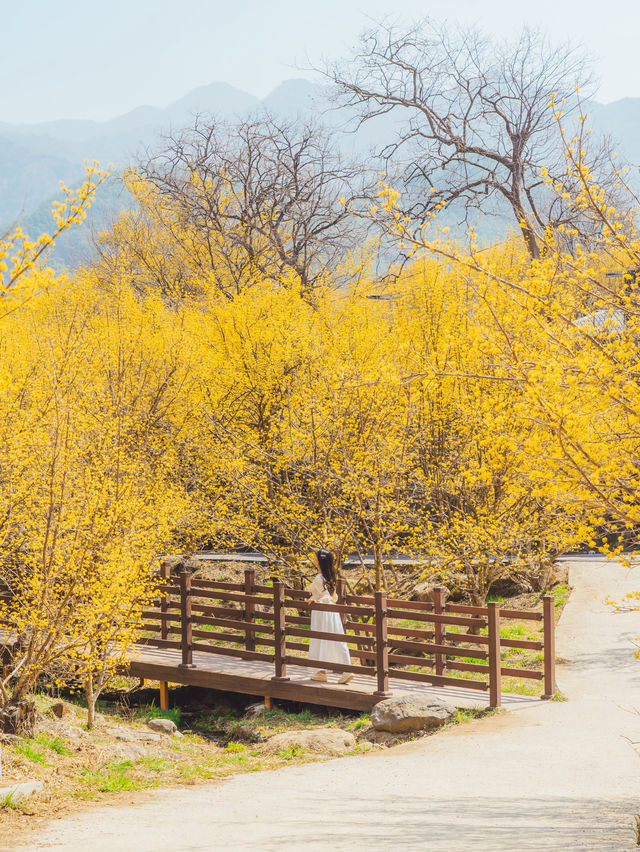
(558, 776)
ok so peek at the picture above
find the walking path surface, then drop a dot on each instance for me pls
(555, 776)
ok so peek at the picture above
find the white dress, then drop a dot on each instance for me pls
(325, 650)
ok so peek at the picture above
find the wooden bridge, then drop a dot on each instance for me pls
(253, 639)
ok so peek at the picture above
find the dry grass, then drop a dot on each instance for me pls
(122, 756)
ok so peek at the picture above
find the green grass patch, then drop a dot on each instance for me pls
(143, 714)
(358, 723)
(15, 802)
(560, 594)
(32, 751)
(290, 753)
(53, 743)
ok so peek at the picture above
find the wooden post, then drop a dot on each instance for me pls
(340, 591)
(249, 608)
(382, 647)
(185, 618)
(549, 630)
(280, 634)
(495, 690)
(438, 609)
(165, 575)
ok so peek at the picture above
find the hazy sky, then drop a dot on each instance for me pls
(73, 59)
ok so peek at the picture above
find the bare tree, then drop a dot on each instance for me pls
(477, 123)
(263, 195)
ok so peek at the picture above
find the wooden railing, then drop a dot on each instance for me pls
(444, 644)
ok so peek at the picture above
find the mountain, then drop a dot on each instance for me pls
(35, 157)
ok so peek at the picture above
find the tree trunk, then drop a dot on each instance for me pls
(91, 696)
(19, 717)
(377, 561)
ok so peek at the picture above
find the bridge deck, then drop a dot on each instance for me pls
(253, 677)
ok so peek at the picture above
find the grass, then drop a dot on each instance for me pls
(52, 743)
(152, 711)
(32, 751)
(290, 753)
(15, 802)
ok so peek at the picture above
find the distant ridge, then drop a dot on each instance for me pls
(35, 157)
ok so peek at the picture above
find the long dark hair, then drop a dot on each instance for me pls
(327, 567)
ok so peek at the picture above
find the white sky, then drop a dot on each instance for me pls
(84, 59)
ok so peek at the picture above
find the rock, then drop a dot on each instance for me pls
(255, 710)
(129, 751)
(246, 733)
(148, 737)
(163, 726)
(21, 790)
(58, 709)
(380, 738)
(410, 713)
(121, 734)
(178, 734)
(424, 591)
(510, 586)
(19, 717)
(10, 739)
(323, 740)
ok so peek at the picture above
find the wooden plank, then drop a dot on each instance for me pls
(483, 668)
(521, 615)
(419, 606)
(239, 653)
(521, 643)
(150, 628)
(437, 619)
(341, 608)
(459, 638)
(334, 667)
(161, 616)
(215, 584)
(369, 600)
(439, 680)
(297, 619)
(309, 693)
(160, 643)
(216, 611)
(360, 626)
(532, 674)
(218, 637)
(231, 596)
(233, 624)
(465, 609)
(412, 633)
(445, 650)
(332, 637)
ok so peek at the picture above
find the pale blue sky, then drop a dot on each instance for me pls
(73, 59)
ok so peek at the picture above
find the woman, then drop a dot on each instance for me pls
(323, 591)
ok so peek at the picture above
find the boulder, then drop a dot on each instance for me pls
(320, 740)
(424, 591)
(410, 713)
(245, 733)
(21, 790)
(58, 709)
(162, 726)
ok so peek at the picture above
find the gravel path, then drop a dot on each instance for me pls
(558, 776)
